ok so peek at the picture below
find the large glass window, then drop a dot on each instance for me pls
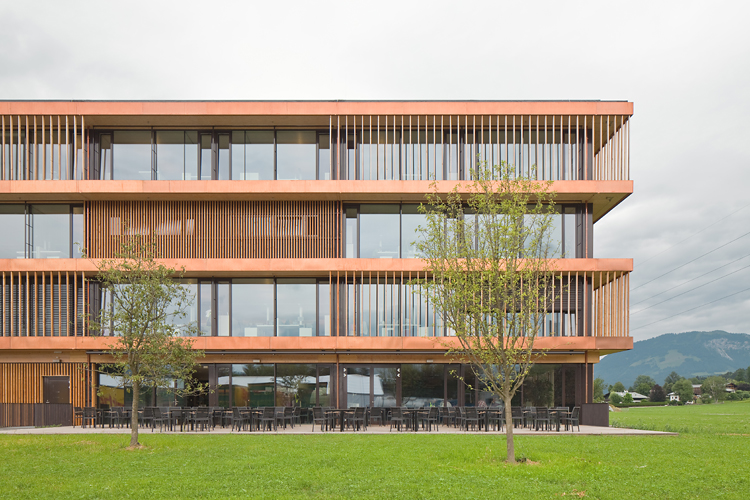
(295, 385)
(422, 385)
(176, 155)
(50, 235)
(411, 220)
(357, 381)
(295, 154)
(252, 308)
(259, 380)
(252, 155)
(296, 312)
(131, 154)
(379, 232)
(12, 221)
(384, 386)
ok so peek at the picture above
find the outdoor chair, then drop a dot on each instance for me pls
(496, 419)
(296, 416)
(147, 417)
(161, 418)
(268, 417)
(517, 415)
(432, 417)
(176, 416)
(573, 419)
(89, 414)
(356, 419)
(77, 415)
(376, 415)
(542, 419)
(240, 419)
(319, 418)
(397, 419)
(202, 417)
(471, 417)
(460, 417)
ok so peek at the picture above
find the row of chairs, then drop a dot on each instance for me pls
(541, 417)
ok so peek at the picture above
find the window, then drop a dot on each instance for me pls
(295, 155)
(41, 231)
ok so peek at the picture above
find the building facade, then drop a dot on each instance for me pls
(295, 224)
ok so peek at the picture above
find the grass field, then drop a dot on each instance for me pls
(710, 459)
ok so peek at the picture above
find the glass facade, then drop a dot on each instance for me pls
(41, 231)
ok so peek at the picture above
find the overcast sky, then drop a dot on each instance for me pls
(685, 65)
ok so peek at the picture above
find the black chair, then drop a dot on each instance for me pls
(471, 417)
(202, 417)
(176, 416)
(160, 418)
(460, 417)
(89, 414)
(431, 417)
(319, 417)
(297, 416)
(77, 415)
(496, 419)
(573, 419)
(397, 418)
(240, 419)
(376, 415)
(268, 417)
(356, 419)
(542, 419)
(517, 415)
(147, 417)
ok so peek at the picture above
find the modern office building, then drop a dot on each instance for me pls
(295, 224)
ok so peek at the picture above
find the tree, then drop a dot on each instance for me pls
(627, 399)
(643, 384)
(715, 388)
(615, 399)
(657, 394)
(618, 387)
(146, 322)
(670, 381)
(488, 253)
(598, 390)
(684, 389)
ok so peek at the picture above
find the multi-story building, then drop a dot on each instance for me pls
(294, 222)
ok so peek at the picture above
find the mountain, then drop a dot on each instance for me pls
(690, 354)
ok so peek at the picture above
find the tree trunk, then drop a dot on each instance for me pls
(134, 417)
(509, 431)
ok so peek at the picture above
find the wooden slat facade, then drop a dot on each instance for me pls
(24, 382)
(42, 304)
(217, 229)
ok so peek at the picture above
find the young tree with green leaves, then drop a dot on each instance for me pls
(670, 381)
(715, 388)
(488, 250)
(618, 387)
(684, 389)
(598, 390)
(643, 384)
(145, 319)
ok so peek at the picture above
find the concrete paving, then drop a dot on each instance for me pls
(586, 430)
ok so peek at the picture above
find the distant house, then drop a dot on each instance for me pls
(637, 398)
(696, 389)
(673, 396)
(731, 387)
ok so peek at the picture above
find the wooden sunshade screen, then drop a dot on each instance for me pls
(42, 304)
(24, 382)
(217, 229)
(599, 301)
(43, 147)
(437, 147)
(611, 304)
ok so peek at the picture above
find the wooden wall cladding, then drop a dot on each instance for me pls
(42, 304)
(24, 382)
(217, 229)
(611, 304)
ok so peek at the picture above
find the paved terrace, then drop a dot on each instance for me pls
(586, 430)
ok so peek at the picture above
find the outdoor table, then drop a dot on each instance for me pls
(413, 414)
(558, 414)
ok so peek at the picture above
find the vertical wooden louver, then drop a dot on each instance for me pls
(23, 382)
(217, 229)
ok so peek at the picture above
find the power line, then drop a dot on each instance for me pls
(689, 262)
(687, 291)
(694, 234)
(688, 281)
(691, 309)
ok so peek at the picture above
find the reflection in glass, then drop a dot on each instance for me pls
(357, 382)
(176, 155)
(223, 159)
(50, 231)
(223, 388)
(205, 296)
(222, 313)
(259, 380)
(295, 385)
(12, 220)
(324, 157)
(384, 386)
(295, 154)
(252, 155)
(240, 380)
(352, 233)
(411, 219)
(379, 232)
(105, 157)
(252, 308)
(78, 249)
(206, 166)
(422, 385)
(131, 155)
(183, 320)
(324, 309)
(325, 386)
(296, 312)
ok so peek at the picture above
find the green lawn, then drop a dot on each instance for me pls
(710, 460)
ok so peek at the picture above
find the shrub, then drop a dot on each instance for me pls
(615, 399)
